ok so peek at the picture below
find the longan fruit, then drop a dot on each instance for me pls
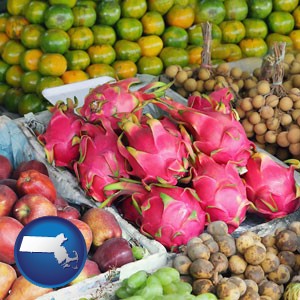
(203, 74)
(289, 57)
(200, 86)
(295, 113)
(271, 136)
(295, 67)
(286, 119)
(272, 123)
(260, 138)
(272, 100)
(260, 128)
(294, 94)
(282, 139)
(190, 85)
(252, 92)
(246, 104)
(240, 112)
(263, 87)
(209, 85)
(196, 93)
(254, 117)
(258, 101)
(236, 72)
(245, 75)
(181, 77)
(298, 120)
(296, 104)
(266, 112)
(294, 135)
(248, 127)
(296, 80)
(223, 68)
(235, 87)
(287, 85)
(182, 92)
(294, 149)
(172, 70)
(286, 103)
(257, 72)
(188, 70)
(249, 83)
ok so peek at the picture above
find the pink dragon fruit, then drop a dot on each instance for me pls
(116, 100)
(156, 150)
(100, 162)
(62, 136)
(271, 186)
(171, 215)
(217, 134)
(221, 191)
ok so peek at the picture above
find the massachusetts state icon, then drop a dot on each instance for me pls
(50, 252)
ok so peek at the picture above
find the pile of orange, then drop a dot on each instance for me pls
(55, 42)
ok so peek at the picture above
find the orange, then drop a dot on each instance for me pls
(194, 53)
(129, 29)
(233, 31)
(3, 68)
(174, 56)
(13, 75)
(125, 68)
(58, 16)
(102, 54)
(55, 41)
(277, 37)
(296, 15)
(253, 47)
(127, 50)
(34, 11)
(235, 52)
(77, 59)
(30, 36)
(12, 98)
(153, 23)
(97, 70)
(84, 15)
(52, 64)
(74, 76)
(133, 8)
(48, 82)
(108, 12)
(3, 19)
(151, 45)
(181, 16)
(161, 6)
(220, 51)
(69, 3)
(3, 89)
(175, 36)
(11, 52)
(151, 65)
(14, 26)
(29, 103)
(3, 39)
(16, 7)
(295, 36)
(29, 81)
(81, 38)
(104, 34)
(29, 59)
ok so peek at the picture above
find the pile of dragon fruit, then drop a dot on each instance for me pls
(171, 174)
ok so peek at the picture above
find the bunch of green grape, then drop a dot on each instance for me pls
(163, 284)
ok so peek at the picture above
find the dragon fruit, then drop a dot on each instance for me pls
(62, 136)
(271, 186)
(221, 191)
(155, 149)
(115, 100)
(100, 162)
(217, 134)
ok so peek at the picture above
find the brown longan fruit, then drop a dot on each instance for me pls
(282, 140)
(258, 101)
(298, 120)
(172, 70)
(294, 94)
(263, 87)
(252, 92)
(296, 104)
(285, 103)
(294, 149)
(272, 100)
(245, 75)
(287, 85)
(236, 72)
(286, 119)
(223, 68)
(249, 83)
(257, 72)
(266, 112)
(294, 135)
(271, 136)
(260, 138)
(295, 67)
(246, 104)
(296, 80)
(254, 117)
(200, 86)
(190, 84)
(289, 57)
(209, 85)
(240, 112)
(203, 74)
(260, 128)
(181, 77)
(182, 92)
(272, 123)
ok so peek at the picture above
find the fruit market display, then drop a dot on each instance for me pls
(216, 265)
(112, 147)
(50, 43)
(27, 193)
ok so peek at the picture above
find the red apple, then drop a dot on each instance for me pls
(60, 202)
(7, 199)
(86, 232)
(68, 212)
(6, 167)
(90, 269)
(34, 182)
(33, 206)
(12, 183)
(30, 165)
(113, 253)
(103, 223)
(9, 231)
(7, 277)
(25, 290)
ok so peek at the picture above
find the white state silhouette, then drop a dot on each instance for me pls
(48, 244)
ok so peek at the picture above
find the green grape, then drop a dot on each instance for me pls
(170, 288)
(152, 280)
(173, 297)
(137, 279)
(206, 296)
(121, 293)
(138, 252)
(150, 291)
(166, 275)
(184, 288)
(135, 298)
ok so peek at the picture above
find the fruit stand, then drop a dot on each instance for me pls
(166, 132)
